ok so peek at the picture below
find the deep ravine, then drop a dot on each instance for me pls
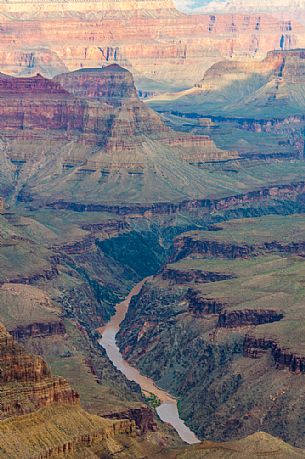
(167, 410)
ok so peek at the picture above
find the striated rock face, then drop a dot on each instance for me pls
(52, 422)
(193, 276)
(26, 381)
(151, 37)
(283, 358)
(143, 417)
(186, 245)
(199, 305)
(37, 330)
(112, 84)
(288, 191)
(231, 319)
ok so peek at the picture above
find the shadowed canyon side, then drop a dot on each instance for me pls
(266, 89)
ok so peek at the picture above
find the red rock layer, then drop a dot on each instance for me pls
(25, 381)
(240, 318)
(282, 357)
(38, 329)
(156, 42)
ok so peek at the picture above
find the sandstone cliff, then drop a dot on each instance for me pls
(100, 142)
(160, 45)
(41, 414)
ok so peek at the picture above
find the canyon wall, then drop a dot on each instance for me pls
(151, 38)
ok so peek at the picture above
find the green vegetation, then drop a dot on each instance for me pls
(152, 400)
(257, 230)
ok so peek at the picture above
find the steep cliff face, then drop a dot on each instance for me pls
(26, 381)
(218, 325)
(112, 84)
(152, 38)
(42, 413)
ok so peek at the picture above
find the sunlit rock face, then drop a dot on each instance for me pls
(160, 45)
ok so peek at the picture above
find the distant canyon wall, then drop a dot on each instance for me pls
(150, 38)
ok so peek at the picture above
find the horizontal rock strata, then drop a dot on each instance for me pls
(239, 318)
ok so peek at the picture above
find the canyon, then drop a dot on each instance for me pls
(151, 230)
(163, 47)
(245, 89)
(219, 318)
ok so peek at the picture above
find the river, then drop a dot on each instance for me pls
(167, 410)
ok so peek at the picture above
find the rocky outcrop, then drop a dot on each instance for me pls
(244, 317)
(143, 418)
(179, 276)
(200, 305)
(78, 247)
(42, 329)
(285, 191)
(186, 245)
(109, 226)
(47, 274)
(112, 84)
(26, 381)
(42, 413)
(283, 358)
(30, 86)
(199, 149)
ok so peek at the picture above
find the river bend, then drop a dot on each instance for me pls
(167, 410)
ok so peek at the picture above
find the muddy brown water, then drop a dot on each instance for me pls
(168, 410)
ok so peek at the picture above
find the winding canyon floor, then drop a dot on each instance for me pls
(222, 328)
(190, 328)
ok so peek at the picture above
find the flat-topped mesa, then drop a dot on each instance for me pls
(197, 149)
(112, 84)
(37, 85)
